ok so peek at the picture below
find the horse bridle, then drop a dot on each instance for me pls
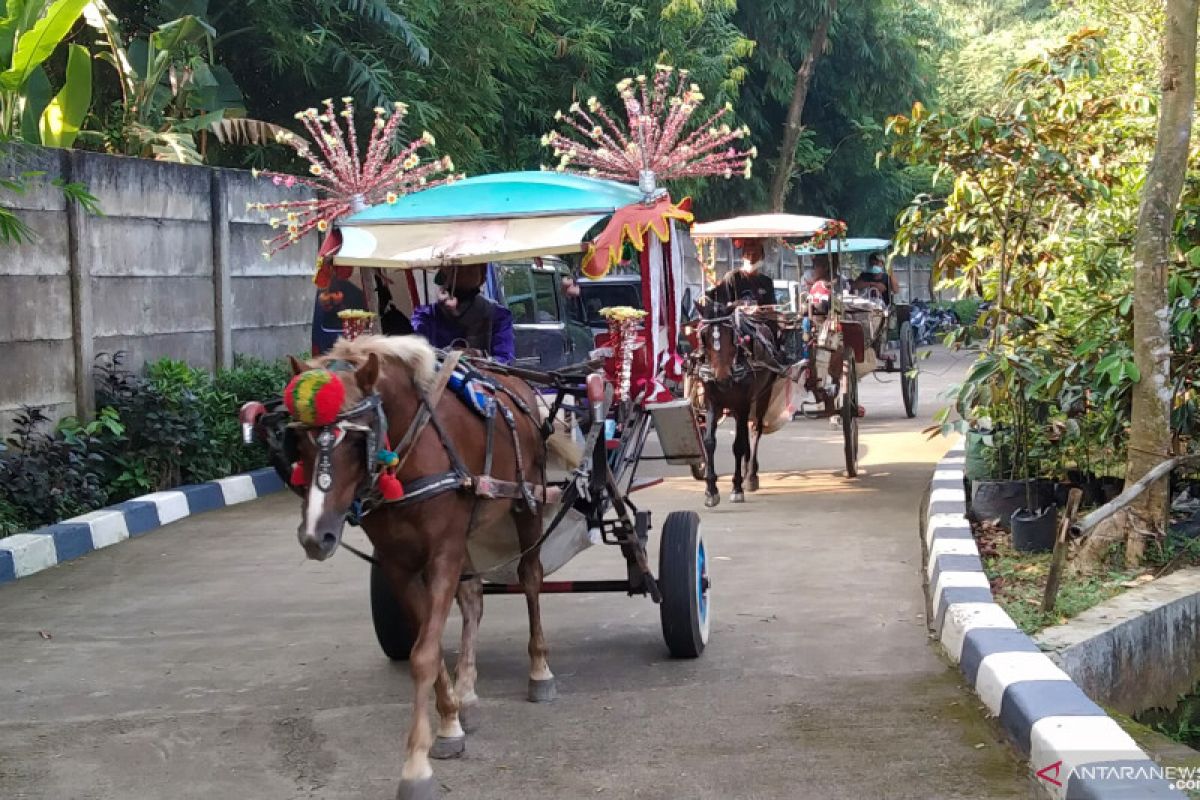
(740, 369)
(328, 437)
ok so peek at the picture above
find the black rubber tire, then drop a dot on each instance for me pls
(908, 359)
(391, 624)
(849, 411)
(683, 580)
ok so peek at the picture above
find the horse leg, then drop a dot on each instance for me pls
(441, 584)
(541, 680)
(760, 412)
(741, 450)
(451, 741)
(711, 496)
(470, 603)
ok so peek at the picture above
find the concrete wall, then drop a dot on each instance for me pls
(172, 266)
(1139, 650)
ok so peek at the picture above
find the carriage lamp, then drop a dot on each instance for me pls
(248, 416)
(622, 328)
(356, 322)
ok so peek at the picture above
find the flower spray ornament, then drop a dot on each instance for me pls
(622, 329)
(833, 229)
(347, 178)
(658, 141)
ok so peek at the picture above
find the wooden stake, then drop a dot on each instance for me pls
(1074, 498)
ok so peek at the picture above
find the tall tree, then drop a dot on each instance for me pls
(792, 126)
(1150, 430)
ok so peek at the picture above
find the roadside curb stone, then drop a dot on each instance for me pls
(29, 553)
(1075, 750)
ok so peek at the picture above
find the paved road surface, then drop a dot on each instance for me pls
(210, 660)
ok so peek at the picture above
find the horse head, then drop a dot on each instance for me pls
(338, 422)
(721, 344)
(339, 435)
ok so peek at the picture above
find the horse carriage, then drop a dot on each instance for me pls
(831, 335)
(473, 477)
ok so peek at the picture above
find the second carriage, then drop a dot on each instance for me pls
(831, 334)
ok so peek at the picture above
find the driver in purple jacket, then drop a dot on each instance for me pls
(463, 317)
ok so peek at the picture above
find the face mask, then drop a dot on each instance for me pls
(466, 295)
(749, 266)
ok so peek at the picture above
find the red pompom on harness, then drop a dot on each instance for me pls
(390, 487)
(299, 475)
(315, 397)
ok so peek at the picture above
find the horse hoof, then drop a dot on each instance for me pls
(448, 747)
(737, 497)
(542, 691)
(468, 717)
(421, 789)
(752, 483)
(711, 500)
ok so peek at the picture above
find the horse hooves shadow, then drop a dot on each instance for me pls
(445, 747)
(469, 717)
(712, 500)
(542, 691)
(421, 789)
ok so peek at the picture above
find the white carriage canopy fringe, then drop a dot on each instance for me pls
(760, 226)
(475, 241)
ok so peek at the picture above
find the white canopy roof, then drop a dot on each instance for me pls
(463, 242)
(760, 226)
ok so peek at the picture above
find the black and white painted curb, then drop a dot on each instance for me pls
(1075, 750)
(27, 553)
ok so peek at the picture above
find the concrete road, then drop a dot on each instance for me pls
(210, 660)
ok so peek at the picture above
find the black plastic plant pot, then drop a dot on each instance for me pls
(1033, 531)
(997, 500)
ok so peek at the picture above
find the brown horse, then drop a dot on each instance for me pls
(421, 540)
(735, 373)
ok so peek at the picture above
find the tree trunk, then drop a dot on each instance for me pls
(1149, 429)
(792, 128)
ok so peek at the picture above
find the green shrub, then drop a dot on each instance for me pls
(47, 477)
(174, 425)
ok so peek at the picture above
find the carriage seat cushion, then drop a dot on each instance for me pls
(473, 389)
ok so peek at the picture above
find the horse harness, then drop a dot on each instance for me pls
(745, 332)
(381, 459)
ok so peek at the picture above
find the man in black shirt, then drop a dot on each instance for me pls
(747, 283)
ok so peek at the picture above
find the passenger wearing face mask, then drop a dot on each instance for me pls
(462, 316)
(876, 277)
(747, 283)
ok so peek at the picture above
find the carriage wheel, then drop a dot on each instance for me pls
(849, 411)
(908, 360)
(391, 624)
(683, 581)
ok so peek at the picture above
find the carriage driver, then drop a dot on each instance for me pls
(463, 317)
(748, 284)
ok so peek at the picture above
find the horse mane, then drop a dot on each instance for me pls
(413, 352)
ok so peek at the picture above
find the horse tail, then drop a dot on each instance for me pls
(562, 451)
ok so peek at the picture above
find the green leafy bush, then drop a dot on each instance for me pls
(173, 425)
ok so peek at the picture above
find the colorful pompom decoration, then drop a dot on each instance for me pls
(390, 487)
(315, 397)
(388, 458)
(299, 475)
